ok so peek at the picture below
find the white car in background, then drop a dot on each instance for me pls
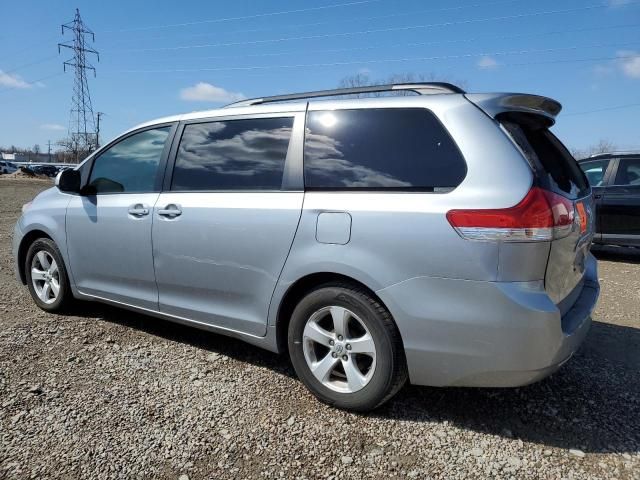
(7, 167)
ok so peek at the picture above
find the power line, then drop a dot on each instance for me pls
(22, 50)
(26, 65)
(388, 60)
(411, 44)
(569, 60)
(32, 82)
(246, 17)
(378, 30)
(616, 107)
(347, 20)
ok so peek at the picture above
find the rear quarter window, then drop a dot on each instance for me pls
(380, 149)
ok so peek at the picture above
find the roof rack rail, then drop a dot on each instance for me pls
(613, 153)
(421, 88)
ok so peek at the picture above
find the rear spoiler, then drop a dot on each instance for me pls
(501, 104)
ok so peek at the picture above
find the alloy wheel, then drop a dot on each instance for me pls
(339, 349)
(45, 277)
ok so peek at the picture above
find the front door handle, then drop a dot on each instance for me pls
(171, 211)
(138, 210)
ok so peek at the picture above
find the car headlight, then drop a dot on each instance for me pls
(26, 206)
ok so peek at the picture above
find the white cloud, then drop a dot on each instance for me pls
(487, 62)
(53, 126)
(629, 63)
(13, 81)
(205, 92)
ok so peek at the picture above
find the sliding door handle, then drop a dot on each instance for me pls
(171, 211)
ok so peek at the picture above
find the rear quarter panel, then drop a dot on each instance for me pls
(397, 236)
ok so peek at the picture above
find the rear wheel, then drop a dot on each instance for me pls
(346, 348)
(46, 276)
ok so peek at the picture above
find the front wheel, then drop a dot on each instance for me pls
(46, 276)
(346, 348)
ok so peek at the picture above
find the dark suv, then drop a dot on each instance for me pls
(615, 179)
(48, 170)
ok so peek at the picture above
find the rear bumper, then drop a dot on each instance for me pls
(487, 334)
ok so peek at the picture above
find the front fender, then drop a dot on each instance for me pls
(46, 215)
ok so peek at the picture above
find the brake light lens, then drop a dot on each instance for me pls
(540, 216)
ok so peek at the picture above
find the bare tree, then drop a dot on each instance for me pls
(36, 149)
(357, 80)
(363, 79)
(603, 146)
(71, 151)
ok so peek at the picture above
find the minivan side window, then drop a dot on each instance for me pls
(380, 149)
(243, 154)
(131, 165)
(628, 172)
(595, 171)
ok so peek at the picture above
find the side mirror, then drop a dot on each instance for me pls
(68, 181)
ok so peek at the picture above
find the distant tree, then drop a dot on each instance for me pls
(363, 79)
(357, 80)
(36, 149)
(603, 146)
(71, 152)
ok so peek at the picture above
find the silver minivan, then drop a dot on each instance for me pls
(441, 238)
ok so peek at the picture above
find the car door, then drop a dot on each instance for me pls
(227, 216)
(621, 204)
(109, 223)
(597, 173)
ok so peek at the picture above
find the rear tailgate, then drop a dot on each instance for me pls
(526, 119)
(557, 171)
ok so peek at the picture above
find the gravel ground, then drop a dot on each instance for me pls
(112, 394)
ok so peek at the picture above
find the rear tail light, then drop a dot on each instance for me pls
(540, 216)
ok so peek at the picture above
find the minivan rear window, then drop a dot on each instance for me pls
(553, 164)
(380, 149)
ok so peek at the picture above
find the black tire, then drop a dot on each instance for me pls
(65, 296)
(390, 371)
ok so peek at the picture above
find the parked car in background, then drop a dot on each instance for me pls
(615, 181)
(7, 167)
(27, 170)
(442, 238)
(48, 170)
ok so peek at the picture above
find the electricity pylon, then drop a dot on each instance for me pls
(82, 124)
